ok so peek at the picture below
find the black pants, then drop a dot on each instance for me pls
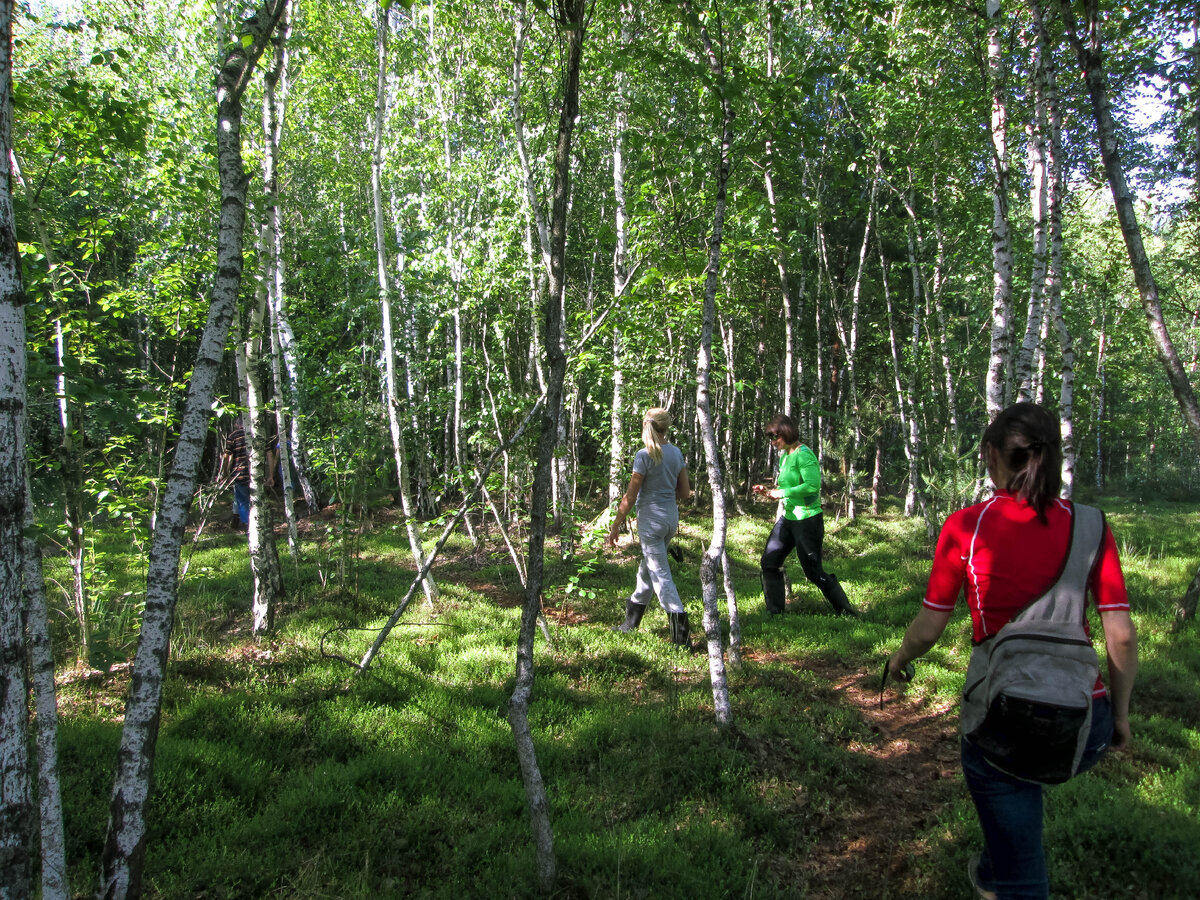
(806, 536)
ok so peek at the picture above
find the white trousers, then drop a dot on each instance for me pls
(655, 530)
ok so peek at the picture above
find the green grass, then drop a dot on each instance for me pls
(279, 774)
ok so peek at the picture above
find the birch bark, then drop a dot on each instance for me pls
(616, 443)
(785, 288)
(125, 845)
(16, 805)
(570, 15)
(1054, 268)
(1000, 362)
(905, 400)
(274, 106)
(392, 400)
(70, 471)
(1091, 62)
(264, 557)
(55, 885)
(1036, 134)
(716, 555)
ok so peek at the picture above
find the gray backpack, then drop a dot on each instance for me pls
(1027, 703)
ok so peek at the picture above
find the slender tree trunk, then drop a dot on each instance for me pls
(849, 336)
(41, 665)
(70, 471)
(877, 476)
(616, 446)
(906, 403)
(16, 805)
(1054, 269)
(714, 559)
(785, 289)
(1000, 362)
(1092, 64)
(264, 557)
(399, 450)
(571, 21)
(125, 845)
(297, 447)
(1033, 343)
(1101, 398)
(274, 106)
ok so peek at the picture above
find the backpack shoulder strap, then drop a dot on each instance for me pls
(1065, 601)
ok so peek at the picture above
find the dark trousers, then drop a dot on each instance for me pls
(1013, 863)
(806, 537)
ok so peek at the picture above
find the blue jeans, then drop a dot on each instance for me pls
(241, 501)
(1010, 813)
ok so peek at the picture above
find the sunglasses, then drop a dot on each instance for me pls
(771, 435)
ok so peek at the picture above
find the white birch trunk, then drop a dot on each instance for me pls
(785, 288)
(1054, 268)
(1033, 342)
(16, 805)
(295, 433)
(41, 665)
(1000, 361)
(399, 450)
(616, 442)
(1091, 63)
(274, 107)
(125, 845)
(905, 400)
(716, 555)
(68, 460)
(1099, 403)
(850, 340)
(264, 557)
(572, 33)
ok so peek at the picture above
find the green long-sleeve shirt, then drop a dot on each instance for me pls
(800, 481)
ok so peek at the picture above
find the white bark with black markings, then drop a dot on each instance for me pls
(16, 805)
(125, 845)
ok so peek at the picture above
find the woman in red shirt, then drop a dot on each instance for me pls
(1001, 554)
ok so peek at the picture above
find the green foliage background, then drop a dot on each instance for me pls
(280, 774)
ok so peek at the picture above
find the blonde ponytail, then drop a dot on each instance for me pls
(654, 431)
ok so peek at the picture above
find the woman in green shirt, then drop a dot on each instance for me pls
(801, 525)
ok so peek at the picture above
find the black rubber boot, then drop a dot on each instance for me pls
(681, 631)
(774, 592)
(633, 616)
(832, 589)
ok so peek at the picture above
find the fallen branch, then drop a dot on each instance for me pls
(468, 497)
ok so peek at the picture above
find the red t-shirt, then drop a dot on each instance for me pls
(1004, 557)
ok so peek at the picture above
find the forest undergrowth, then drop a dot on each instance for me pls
(281, 773)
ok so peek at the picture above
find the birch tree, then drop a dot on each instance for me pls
(1000, 361)
(716, 556)
(616, 444)
(16, 805)
(391, 394)
(1091, 62)
(125, 844)
(68, 457)
(1025, 373)
(569, 16)
(785, 288)
(55, 885)
(275, 91)
(1056, 189)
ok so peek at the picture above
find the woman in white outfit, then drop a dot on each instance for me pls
(658, 484)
